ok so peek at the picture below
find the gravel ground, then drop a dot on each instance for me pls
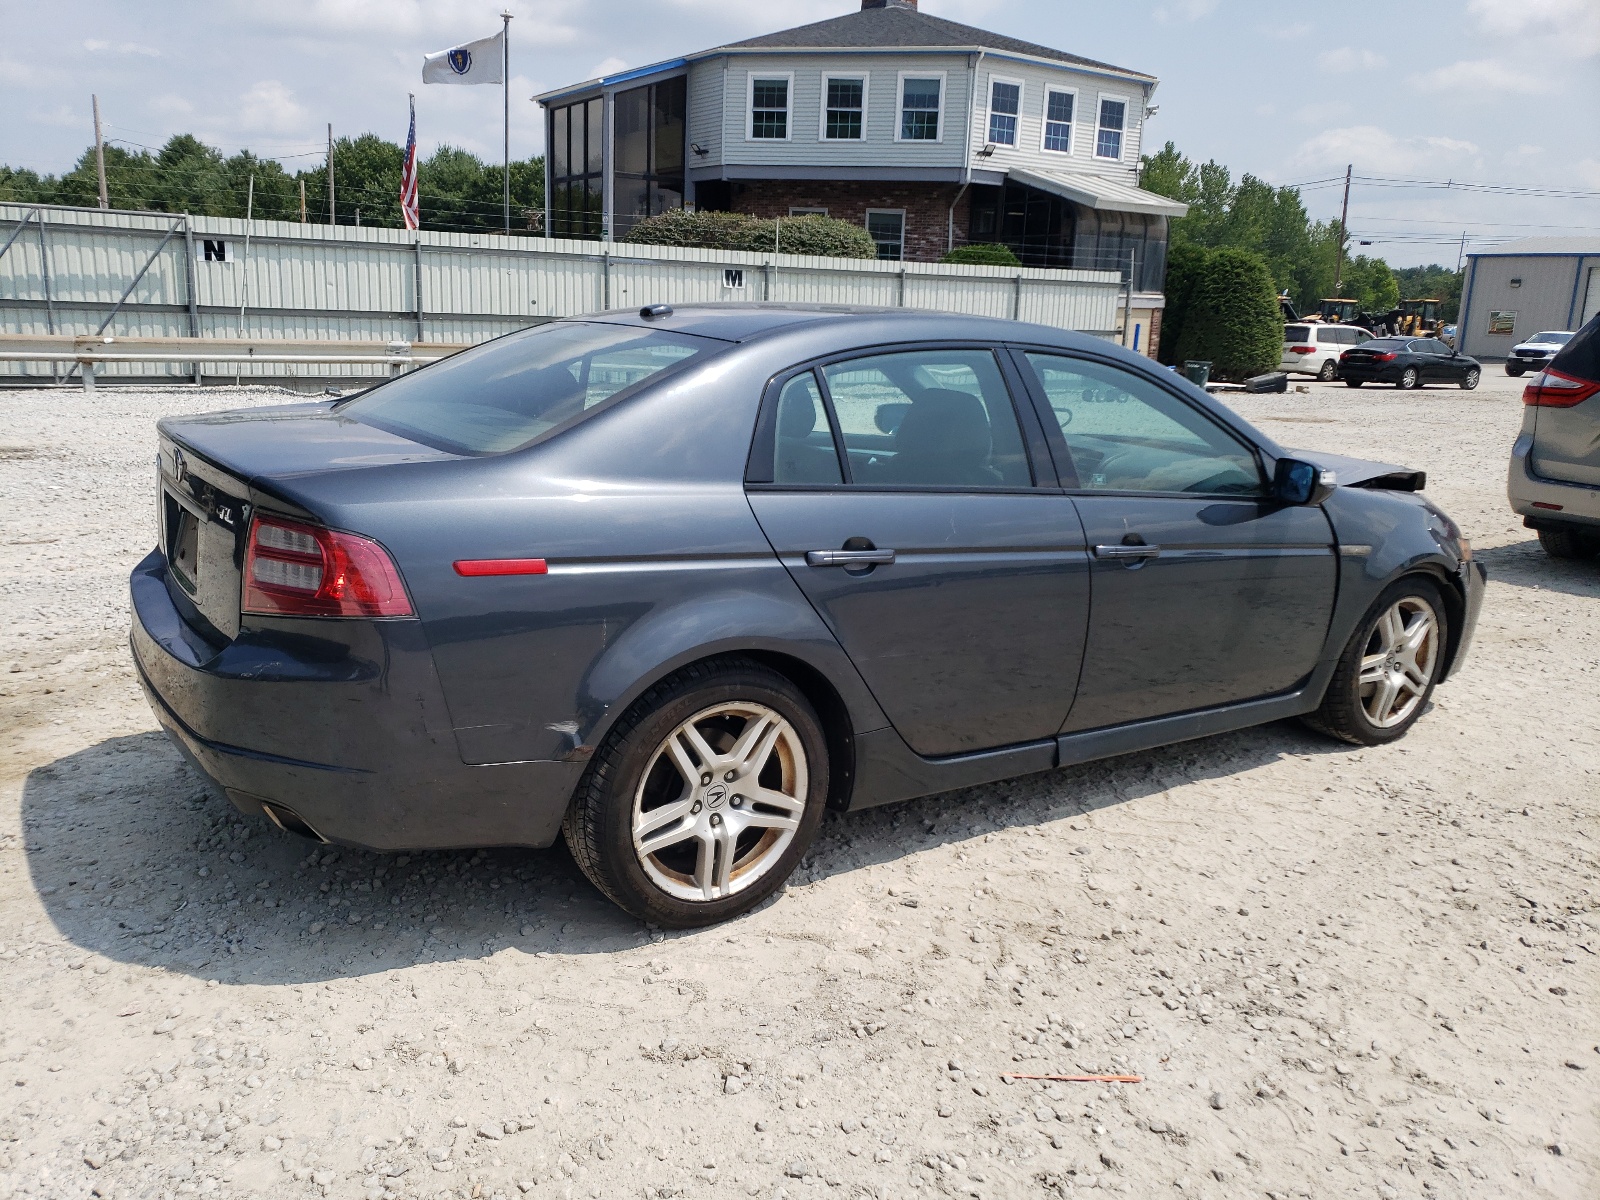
(1340, 972)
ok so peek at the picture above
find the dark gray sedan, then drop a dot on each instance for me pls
(673, 583)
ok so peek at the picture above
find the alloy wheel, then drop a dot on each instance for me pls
(1471, 380)
(1399, 661)
(720, 801)
(1408, 378)
(1329, 372)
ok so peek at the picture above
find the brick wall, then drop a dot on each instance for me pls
(1155, 334)
(927, 206)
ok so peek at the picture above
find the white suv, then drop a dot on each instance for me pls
(1314, 349)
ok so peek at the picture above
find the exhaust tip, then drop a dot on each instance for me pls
(291, 822)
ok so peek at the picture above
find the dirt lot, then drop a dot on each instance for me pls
(1341, 972)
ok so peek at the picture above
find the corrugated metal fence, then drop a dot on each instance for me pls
(86, 271)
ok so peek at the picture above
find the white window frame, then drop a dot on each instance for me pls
(1052, 89)
(812, 211)
(988, 112)
(866, 220)
(1127, 123)
(750, 105)
(900, 108)
(865, 79)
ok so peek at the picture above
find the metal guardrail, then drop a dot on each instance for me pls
(87, 351)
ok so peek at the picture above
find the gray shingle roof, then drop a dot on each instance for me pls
(897, 26)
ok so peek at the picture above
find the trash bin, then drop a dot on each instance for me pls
(1197, 373)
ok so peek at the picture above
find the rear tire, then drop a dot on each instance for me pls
(1329, 372)
(1513, 369)
(1568, 543)
(1469, 381)
(1389, 668)
(1354, 382)
(1409, 379)
(744, 815)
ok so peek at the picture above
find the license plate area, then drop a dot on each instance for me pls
(183, 543)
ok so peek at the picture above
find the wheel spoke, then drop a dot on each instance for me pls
(1383, 698)
(766, 820)
(653, 830)
(750, 752)
(697, 745)
(727, 843)
(1392, 628)
(1409, 683)
(1373, 667)
(683, 760)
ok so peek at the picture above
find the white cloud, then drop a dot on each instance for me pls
(1373, 149)
(270, 107)
(1185, 10)
(171, 104)
(608, 66)
(1588, 172)
(1572, 25)
(1346, 59)
(95, 45)
(1486, 78)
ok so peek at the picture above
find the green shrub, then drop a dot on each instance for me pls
(1227, 312)
(1185, 264)
(681, 227)
(741, 231)
(983, 254)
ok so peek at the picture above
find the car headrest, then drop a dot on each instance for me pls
(797, 415)
(943, 423)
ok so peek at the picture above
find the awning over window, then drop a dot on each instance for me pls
(1099, 191)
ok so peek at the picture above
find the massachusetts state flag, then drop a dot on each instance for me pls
(470, 62)
(408, 173)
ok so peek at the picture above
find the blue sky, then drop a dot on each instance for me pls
(1497, 91)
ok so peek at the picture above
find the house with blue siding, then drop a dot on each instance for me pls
(928, 133)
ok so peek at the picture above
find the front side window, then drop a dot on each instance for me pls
(845, 112)
(1113, 116)
(888, 229)
(1058, 122)
(1005, 103)
(769, 108)
(928, 418)
(502, 395)
(919, 108)
(1125, 434)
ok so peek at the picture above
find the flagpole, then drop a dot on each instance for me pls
(505, 97)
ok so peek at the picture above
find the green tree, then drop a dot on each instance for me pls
(1430, 283)
(1370, 281)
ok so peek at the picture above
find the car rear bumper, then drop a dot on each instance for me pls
(1302, 364)
(1548, 503)
(341, 727)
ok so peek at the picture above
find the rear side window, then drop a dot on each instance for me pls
(804, 451)
(1580, 357)
(1296, 333)
(502, 395)
(1329, 337)
(928, 418)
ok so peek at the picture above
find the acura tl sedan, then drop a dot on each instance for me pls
(673, 583)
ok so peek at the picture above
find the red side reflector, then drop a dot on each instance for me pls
(1551, 507)
(501, 566)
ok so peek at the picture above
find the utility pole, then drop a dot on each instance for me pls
(1462, 254)
(302, 202)
(100, 153)
(331, 210)
(505, 99)
(1344, 214)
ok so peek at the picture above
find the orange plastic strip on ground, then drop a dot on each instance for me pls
(1081, 1078)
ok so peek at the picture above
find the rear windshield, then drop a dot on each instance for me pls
(1580, 357)
(1387, 344)
(1296, 333)
(502, 395)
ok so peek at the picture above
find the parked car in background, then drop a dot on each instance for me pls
(1447, 335)
(1536, 352)
(1555, 463)
(672, 584)
(1314, 349)
(1408, 363)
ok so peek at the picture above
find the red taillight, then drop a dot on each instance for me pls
(292, 569)
(1302, 349)
(1384, 356)
(1552, 389)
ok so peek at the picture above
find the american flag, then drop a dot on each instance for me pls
(408, 173)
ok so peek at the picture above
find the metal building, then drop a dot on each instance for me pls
(1515, 290)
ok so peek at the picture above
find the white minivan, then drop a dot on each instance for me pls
(1314, 349)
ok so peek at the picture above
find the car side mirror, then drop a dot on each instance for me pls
(1295, 481)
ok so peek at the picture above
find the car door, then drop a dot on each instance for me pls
(959, 589)
(1432, 366)
(1204, 591)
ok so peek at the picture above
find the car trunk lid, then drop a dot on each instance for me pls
(214, 470)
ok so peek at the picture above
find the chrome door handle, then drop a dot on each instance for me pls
(1127, 552)
(848, 558)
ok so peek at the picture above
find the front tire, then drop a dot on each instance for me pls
(1568, 544)
(1389, 668)
(1329, 372)
(1513, 369)
(1409, 379)
(1469, 381)
(704, 798)
(1354, 382)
